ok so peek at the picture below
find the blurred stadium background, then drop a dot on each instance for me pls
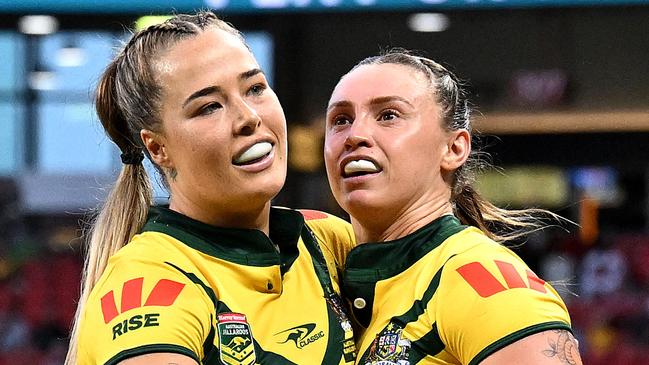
(562, 88)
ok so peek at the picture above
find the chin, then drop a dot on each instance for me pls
(268, 188)
(360, 203)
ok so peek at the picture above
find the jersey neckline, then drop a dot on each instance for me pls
(238, 245)
(375, 261)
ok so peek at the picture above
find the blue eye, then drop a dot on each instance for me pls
(257, 89)
(388, 115)
(210, 108)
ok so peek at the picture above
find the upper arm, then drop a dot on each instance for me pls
(505, 301)
(553, 347)
(159, 359)
(142, 307)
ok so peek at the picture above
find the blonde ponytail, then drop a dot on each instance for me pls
(121, 217)
(499, 224)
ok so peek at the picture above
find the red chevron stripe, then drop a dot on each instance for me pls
(512, 277)
(132, 294)
(480, 279)
(164, 293)
(536, 283)
(108, 307)
(312, 214)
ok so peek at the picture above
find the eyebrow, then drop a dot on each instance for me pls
(218, 90)
(341, 103)
(374, 101)
(248, 74)
(387, 99)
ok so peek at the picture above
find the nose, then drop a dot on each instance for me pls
(247, 119)
(360, 135)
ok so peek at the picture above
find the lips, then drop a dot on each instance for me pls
(253, 154)
(358, 166)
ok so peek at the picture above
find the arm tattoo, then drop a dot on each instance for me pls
(563, 346)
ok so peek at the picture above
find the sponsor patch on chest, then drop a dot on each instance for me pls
(236, 345)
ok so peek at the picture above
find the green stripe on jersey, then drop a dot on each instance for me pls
(210, 350)
(151, 349)
(430, 343)
(508, 340)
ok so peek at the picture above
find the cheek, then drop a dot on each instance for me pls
(410, 157)
(275, 121)
(208, 147)
(271, 111)
(331, 149)
(331, 160)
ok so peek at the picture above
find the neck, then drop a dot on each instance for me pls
(402, 223)
(255, 217)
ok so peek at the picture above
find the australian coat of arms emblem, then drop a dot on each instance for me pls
(389, 347)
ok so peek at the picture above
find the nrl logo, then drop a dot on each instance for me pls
(301, 335)
(236, 346)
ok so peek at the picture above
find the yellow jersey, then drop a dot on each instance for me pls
(223, 295)
(445, 294)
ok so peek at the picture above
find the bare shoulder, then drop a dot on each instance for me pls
(551, 347)
(159, 359)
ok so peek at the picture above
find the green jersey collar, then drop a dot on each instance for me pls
(238, 245)
(374, 261)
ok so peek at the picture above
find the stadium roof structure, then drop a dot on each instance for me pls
(269, 6)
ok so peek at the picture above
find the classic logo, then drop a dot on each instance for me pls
(486, 284)
(164, 294)
(236, 344)
(301, 335)
(389, 348)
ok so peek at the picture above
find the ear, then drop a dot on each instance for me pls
(458, 148)
(155, 144)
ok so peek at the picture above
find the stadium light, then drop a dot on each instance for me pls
(42, 78)
(38, 24)
(71, 54)
(428, 22)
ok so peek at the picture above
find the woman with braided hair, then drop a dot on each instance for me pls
(430, 282)
(218, 276)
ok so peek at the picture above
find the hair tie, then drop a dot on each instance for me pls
(132, 157)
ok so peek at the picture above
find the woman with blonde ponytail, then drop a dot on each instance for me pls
(218, 276)
(430, 282)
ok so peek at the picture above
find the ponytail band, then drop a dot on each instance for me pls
(132, 158)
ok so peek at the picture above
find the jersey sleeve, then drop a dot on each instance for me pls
(141, 307)
(489, 299)
(335, 237)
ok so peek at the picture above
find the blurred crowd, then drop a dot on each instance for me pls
(605, 285)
